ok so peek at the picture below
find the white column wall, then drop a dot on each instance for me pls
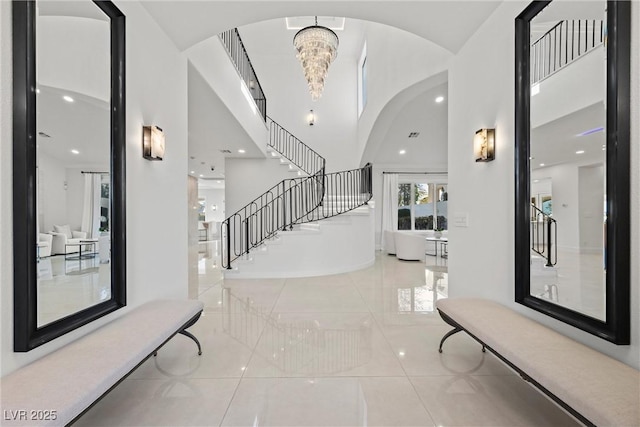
(52, 201)
(156, 191)
(486, 190)
(75, 197)
(590, 211)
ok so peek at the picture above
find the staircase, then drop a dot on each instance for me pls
(283, 221)
(278, 233)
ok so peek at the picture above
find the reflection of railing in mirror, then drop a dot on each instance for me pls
(562, 44)
(544, 236)
(301, 346)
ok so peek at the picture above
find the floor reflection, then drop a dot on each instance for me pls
(577, 282)
(66, 286)
(359, 348)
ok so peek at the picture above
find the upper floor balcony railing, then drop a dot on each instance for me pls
(233, 43)
(563, 44)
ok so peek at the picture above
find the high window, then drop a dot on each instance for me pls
(362, 80)
(422, 206)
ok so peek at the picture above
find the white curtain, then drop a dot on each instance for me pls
(389, 204)
(91, 209)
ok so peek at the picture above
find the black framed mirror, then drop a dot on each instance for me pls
(572, 164)
(68, 88)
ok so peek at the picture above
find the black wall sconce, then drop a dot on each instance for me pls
(152, 143)
(484, 145)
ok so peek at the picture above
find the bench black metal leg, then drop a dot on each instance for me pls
(190, 335)
(447, 335)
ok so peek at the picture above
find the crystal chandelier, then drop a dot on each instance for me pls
(317, 47)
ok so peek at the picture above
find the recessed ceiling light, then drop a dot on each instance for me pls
(440, 99)
(201, 175)
(541, 164)
(604, 149)
(580, 152)
(219, 182)
(241, 151)
(402, 151)
(193, 171)
(67, 98)
(74, 151)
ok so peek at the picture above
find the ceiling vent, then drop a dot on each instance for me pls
(414, 134)
(225, 151)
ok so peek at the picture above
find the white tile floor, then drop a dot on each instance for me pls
(345, 350)
(67, 285)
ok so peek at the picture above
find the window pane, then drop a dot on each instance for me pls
(404, 207)
(423, 209)
(442, 198)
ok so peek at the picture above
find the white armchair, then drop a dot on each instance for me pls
(410, 246)
(44, 245)
(63, 237)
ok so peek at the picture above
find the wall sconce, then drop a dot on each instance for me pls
(311, 118)
(152, 143)
(484, 145)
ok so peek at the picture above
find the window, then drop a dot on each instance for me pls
(362, 80)
(422, 206)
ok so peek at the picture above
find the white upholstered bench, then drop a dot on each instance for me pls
(595, 388)
(58, 388)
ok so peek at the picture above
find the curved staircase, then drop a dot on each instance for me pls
(284, 219)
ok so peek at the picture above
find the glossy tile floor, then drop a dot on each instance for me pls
(353, 349)
(66, 286)
(578, 284)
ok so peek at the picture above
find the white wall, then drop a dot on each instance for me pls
(6, 183)
(392, 70)
(475, 187)
(581, 83)
(52, 195)
(156, 191)
(74, 54)
(212, 61)
(591, 214)
(334, 134)
(247, 179)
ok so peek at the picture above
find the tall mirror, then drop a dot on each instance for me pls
(572, 163)
(69, 252)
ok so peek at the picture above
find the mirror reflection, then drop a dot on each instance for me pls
(568, 156)
(73, 146)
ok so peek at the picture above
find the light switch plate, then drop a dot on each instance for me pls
(461, 219)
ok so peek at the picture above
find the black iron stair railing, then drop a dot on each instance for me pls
(292, 202)
(564, 43)
(238, 54)
(544, 236)
(294, 150)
